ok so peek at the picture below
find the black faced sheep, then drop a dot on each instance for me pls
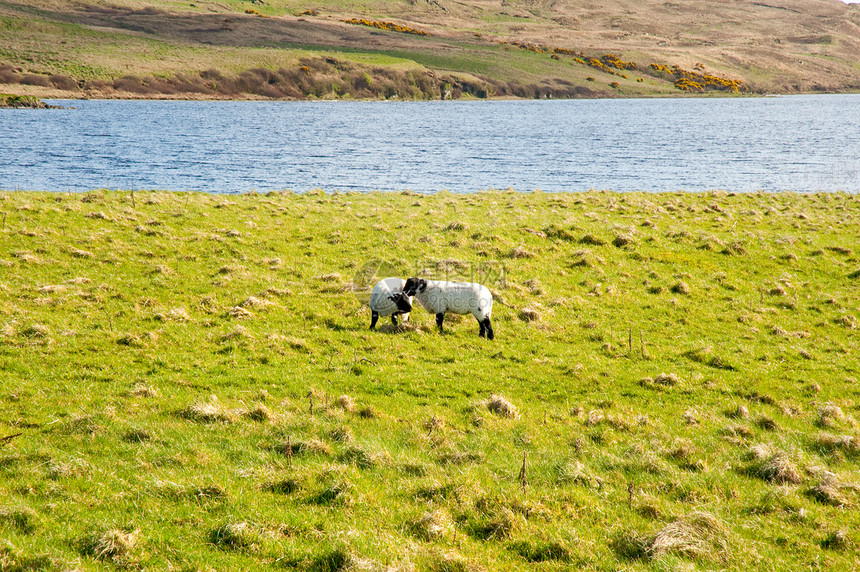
(388, 299)
(439, 297)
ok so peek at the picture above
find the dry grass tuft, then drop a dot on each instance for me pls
(233, 536)
(502, 407)
(283, 487)
(680, 287)
(847, 444)
(773, 467)
(259, 413)
(434, 423)
(368, 412)
(739, 412)
(254, 302)
(767, 423)
(595, 417)
(239, 313)
(332, 277)
(529, 315)
(207, 412)
(80, 253)
(342, 435)
(836, 540)
(592, 240)
(667, 379)
(237, 333)
(34, 331)
(830, 415)
(521, 252)
(623, 240)
(346, 403)
(178, 315)
(433, 526)
(697, 535)
(207, 493)
(24, 519)
(535, 286)
(829, 491)
(312, 447)
(113, 546)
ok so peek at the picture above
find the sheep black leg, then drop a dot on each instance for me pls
(394, 319)
(374, 316)
(439, 317)
(489, 328)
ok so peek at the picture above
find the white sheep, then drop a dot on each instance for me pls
(388, 299)
(439, 297)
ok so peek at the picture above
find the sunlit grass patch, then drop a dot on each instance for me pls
(589, 433)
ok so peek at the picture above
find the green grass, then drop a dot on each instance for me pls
(679, 374)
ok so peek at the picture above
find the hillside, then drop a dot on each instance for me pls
(188, 382)
(426, 49)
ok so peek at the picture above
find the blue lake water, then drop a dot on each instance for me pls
(797, 143)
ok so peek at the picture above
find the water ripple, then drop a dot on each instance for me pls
(802, 143)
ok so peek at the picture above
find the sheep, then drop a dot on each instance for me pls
(388, 299)
(439, 297)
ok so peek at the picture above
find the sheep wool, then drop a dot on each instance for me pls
(388, 299)
(440, 297)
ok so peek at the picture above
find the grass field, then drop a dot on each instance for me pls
(187, 382)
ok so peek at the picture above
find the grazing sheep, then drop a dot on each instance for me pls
(388, 299)
(439, 297)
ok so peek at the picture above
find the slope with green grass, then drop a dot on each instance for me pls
(188, 382)
(288, 49)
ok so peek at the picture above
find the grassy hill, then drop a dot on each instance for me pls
(187, 382)
(425, 49)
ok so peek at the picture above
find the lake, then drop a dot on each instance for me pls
(796, 143)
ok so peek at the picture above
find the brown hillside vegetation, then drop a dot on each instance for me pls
(427, 49)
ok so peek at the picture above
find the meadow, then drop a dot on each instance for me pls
(188, 382)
